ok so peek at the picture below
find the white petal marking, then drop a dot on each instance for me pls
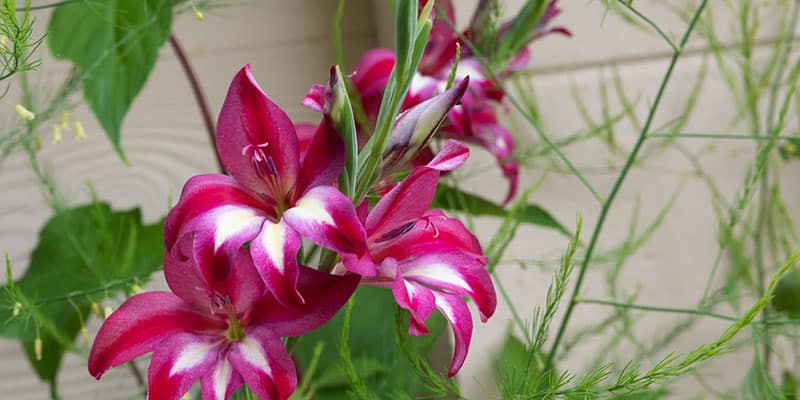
(191, 356)
(314, 209)
(439, 272)
(253, 353)
(222, 376)
(273, 239)
(230, 220)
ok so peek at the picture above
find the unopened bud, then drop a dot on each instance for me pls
(80, 134)
(107, 311)
(65, 119)
(56, 134)
(136, 289)
(17, 308)
(23, 112)
(197, 13)
(85, 335)
(37, 348)
(37, 141)
(96, 310)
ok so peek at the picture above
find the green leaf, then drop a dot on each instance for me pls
(376, 357)
(450, 198)
(84, 254)
(521, 29)
(114, 43)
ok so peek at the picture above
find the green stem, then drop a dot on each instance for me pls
(651, 23)
(671, 310)
(617, 185)
(735, 136)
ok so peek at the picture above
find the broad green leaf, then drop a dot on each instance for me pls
(376, 357)
(450, 198)
(114, 44)
(84, 254)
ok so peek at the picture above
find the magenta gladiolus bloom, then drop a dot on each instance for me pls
(278, 192)
(475, 119)
(219, 325)
(429, 260)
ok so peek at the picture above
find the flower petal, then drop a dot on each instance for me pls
(178, 362)
(324, 161)
(455, 311)
(220, 382)
(198, 206)
(251, 121)
(274, 253)
(324, 295)
(414, 127)
(326, 217)
(456, 272)
(315, 98)
(409, 200)
(434, 232)
(264, 364)
(417, 299)
(140, 324)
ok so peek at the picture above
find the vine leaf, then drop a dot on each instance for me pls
(114, 44)
(79, 250)
(450, 198)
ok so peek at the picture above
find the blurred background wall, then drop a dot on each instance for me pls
(288, 44)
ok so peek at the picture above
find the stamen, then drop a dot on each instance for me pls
(394, 233)
(429, 223)
(262, 163)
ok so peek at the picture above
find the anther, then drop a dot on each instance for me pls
(397, 232)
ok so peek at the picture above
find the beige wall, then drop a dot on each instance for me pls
(288, 44)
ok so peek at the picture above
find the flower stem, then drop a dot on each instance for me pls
(617, 185)
(199, 96)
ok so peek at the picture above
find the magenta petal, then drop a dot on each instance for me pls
(408, 201)
(417, 299)
(315, 98)
(204, 205)
(221, 381)
(305, 132)
(140, 324)
(456, 272)
(326, 217)
(262, 361)
(452, 155)
(324, 160)
(254, 135)
(455, 311)
(178, 362)
(274, 253)
(372, 72)
(324, 295)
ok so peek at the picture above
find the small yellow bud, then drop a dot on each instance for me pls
(96, 310)
(37, 348)
(23, 112)
(37, 141)
(17, 307)
(65, 119)
(56, 134)
(85, 335)
(80, 134)
(791, 148)
(107, 311)
(136, 289)
(197, 13)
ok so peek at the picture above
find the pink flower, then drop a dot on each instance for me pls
(429, 260)
(218, 325)
(474, 120)
(280, 190)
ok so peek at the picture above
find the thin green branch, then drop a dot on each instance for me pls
(671, 310)
(617, 185)
(652, 24)
(734, 136)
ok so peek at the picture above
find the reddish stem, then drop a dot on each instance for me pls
(199, 96)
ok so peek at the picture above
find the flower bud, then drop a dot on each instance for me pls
(37, 348)
(17, 308)
(107, 311)
(23, 112)
(56, 134)
(80, 134)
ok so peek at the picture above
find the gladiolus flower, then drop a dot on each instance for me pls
(278, 192)
(218, 325)
(429, 260)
